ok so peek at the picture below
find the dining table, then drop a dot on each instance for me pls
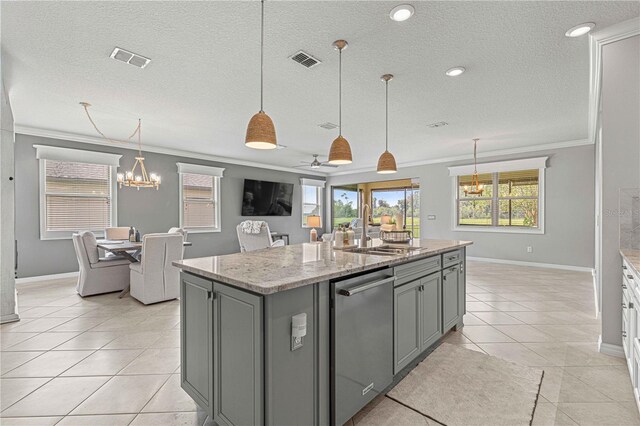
(129, 250)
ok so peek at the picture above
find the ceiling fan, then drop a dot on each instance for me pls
(316, 164)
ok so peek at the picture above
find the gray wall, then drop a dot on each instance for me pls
(148, 210)
(569, 203)
(620, 149)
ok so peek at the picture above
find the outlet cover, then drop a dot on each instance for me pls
(431, 217)
(529, 249)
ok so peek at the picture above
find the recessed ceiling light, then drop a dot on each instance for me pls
(402, 12)
(580, 30)
(455, 71)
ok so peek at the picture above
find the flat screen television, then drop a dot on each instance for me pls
(263, 198)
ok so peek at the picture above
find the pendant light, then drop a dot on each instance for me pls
(476, 187)
(261, 133)
(386, 162)
(340, 152)
(141, 179)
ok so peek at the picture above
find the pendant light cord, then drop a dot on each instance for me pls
(340, 94)
(475, 166)
(386, 115)
(261, 55)
(139, 131)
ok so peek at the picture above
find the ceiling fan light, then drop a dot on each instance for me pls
(340, 152)
(387, 163)
(261, 133)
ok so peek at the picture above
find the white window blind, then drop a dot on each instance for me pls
(200, 197)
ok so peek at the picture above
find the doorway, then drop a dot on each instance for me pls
(393, 201)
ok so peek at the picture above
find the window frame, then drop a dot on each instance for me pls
(495, 169)
(319, 185)
(51, 153)
(216, 174)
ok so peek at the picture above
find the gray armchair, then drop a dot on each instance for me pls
(98, 274)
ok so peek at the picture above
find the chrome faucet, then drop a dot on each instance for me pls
(366, 210)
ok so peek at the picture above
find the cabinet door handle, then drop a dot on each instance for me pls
(630, 305)
(624, 306)
(210, 295)
(624, 333)
(624, 286)
(630, 277)
(624, 267)
(364, 287)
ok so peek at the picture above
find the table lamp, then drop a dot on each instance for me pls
(313, 222)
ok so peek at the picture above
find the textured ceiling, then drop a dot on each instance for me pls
(526, 83)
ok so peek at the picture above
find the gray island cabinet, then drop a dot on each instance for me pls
(366, 319)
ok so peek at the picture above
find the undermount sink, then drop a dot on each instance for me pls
(384, 250)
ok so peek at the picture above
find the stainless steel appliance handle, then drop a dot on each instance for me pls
(364, 287)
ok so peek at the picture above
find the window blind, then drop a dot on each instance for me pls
(198, 201)
(77, 196)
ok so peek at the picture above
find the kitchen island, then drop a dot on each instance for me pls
(306, 334)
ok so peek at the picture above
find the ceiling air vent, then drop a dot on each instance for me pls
(328, 126)
(305, 59)
(438, 124)
(130, 58)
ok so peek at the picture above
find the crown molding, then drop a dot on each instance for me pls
(55, 134)
(496, 153)
(597, 41)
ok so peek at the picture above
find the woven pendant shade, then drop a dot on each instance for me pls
(261, 133)
(340, 152)
(387, 163)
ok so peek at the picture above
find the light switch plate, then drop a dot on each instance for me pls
(431, 217)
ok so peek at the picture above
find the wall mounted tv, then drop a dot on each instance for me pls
(263, 198)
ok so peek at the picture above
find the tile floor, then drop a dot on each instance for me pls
(109, 361)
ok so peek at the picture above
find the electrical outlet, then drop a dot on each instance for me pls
(296, 343)
(431, 217)
(529, 249)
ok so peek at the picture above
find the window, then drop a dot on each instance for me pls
(199, 197)
(345, 204)
(312, 193)
(512, 200)
(76, 191)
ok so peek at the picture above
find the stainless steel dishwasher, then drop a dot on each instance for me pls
(361, 341)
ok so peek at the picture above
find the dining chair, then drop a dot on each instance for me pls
(261, 240)
(154, 279)
(98, 274)
(181, 231)
(117, 233)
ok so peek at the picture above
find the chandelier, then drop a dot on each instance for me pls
(130, 178)
(141, 179)
(476, 187)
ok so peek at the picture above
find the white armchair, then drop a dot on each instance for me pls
(262, 240)
(181, 231)
(154, 279)
(98, 274)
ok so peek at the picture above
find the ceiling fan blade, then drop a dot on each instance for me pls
(327, 165)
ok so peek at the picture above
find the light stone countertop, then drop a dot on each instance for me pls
(278, 269)
(633, 258)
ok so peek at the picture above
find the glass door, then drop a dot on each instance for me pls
(345, 204)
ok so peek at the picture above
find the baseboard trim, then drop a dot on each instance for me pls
(9, 318)
(533, 264)
(609, 349)
(40, 278)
